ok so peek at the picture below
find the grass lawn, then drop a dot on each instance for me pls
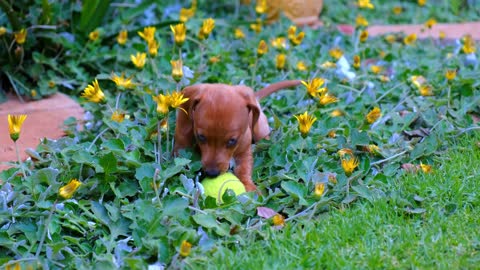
(380, 234)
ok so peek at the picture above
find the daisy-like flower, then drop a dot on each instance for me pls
(442, 35)
(319, 189)
(418, 80)
(450, 74)
(15, 123)
(187, 13)
(421, 2)
(278, 220)
(373, 149)
(356, 61)
(279, 43)
(336, 113)
(327, 98)
(163, 103)
(139, 59)
(345, 151)
(185, 248)
(214, 59)
(153, 46)
(430, 23)
(94, 35)
(261, 6)
(122, 37)
(328, 64)
(410, 39)
(426, 168)
(376, 69)
(291, 32)
(397, 10)
(69, 189)
(373, 115)
(363, 36)
(176, 99)
(239, 33)
(257, 27)
(301, 66)
(20, 36)
(305, 122)
(148, 33)
(262, 48)
(390, 38)
(361, 21)
(295, 39)
(121, 81)
(3, 30)
(177, 69)
(93, 92)
(206, 29)
(336, 53)
(314, 86)
(349, 165)
(332, 134)
(280, 61)
(365, 4)
(425, 90)
(468, 45)
(179, 33)
(118, 117)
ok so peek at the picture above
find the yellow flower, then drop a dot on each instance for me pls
(356, 61)
(336, 113)
(185, 248)
(20, 36)
(139, 59)
(421, 2)
(328, 64)
(261, 6)
(336, 53)
(397, 10)
(93, 92)
(410, 39)
(69, 189)
(450, 74)
(365, 4)
(426, 168)
(278, 220)
(214, 59)
(384, 78)
(179, 33)
(281, 59)
(94, 35)
(327, 98)
(118, 117)
(345, 151)
(176, 99)
(122, 37)
(425, 90)
(468, 45)
(3, 30)
(314, 86)
(296, 40)
(121, 81)
(361, 21)
(441, 35)
(262, 48)
(51, 84)
(430, 23)
(177, 69)
(373, 115)
(15, 123)
(279, 43)
(206, 29)
(257, 27)
(33, 93)
(418, 81)
(239, 33)
(305, 122)
(163, 103)
(301, 66)
(349, 165)
(332, 134)
(363, 36)
(153, 46)
(187, 13)
(148, 33)
(390, 38)
(319, 189)
(291, 32)
(376, 69)
(373, 149)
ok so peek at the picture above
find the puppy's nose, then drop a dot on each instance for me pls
(212, 172)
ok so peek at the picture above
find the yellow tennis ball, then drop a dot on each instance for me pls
(215, 187)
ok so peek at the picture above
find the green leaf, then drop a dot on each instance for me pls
(108, 163)
(175, 207)
(359, 137)
(297, 190)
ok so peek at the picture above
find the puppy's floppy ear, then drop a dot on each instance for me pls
(259, 124)
(184, 122)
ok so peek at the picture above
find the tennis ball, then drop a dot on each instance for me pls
(215, 187)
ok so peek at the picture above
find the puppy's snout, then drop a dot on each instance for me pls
(212, 172)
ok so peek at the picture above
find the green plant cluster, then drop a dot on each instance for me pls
(138, 205)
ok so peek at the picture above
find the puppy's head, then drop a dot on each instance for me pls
(223, 120)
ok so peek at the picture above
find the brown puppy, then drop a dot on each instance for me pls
(224, 120)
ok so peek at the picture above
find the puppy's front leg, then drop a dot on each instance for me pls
(243, 168)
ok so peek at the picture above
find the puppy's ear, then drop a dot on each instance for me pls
(259, 124)
(184, 122)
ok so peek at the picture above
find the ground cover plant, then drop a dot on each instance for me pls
(110, 195)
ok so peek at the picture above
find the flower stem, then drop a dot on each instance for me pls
(168, 134)
(20, 164)
(448, 95)
(159, 143)
(44, 234)
(254, 72)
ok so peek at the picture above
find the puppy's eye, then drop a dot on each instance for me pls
(201, 138)
(231, 142)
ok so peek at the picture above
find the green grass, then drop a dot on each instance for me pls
(381, 234)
